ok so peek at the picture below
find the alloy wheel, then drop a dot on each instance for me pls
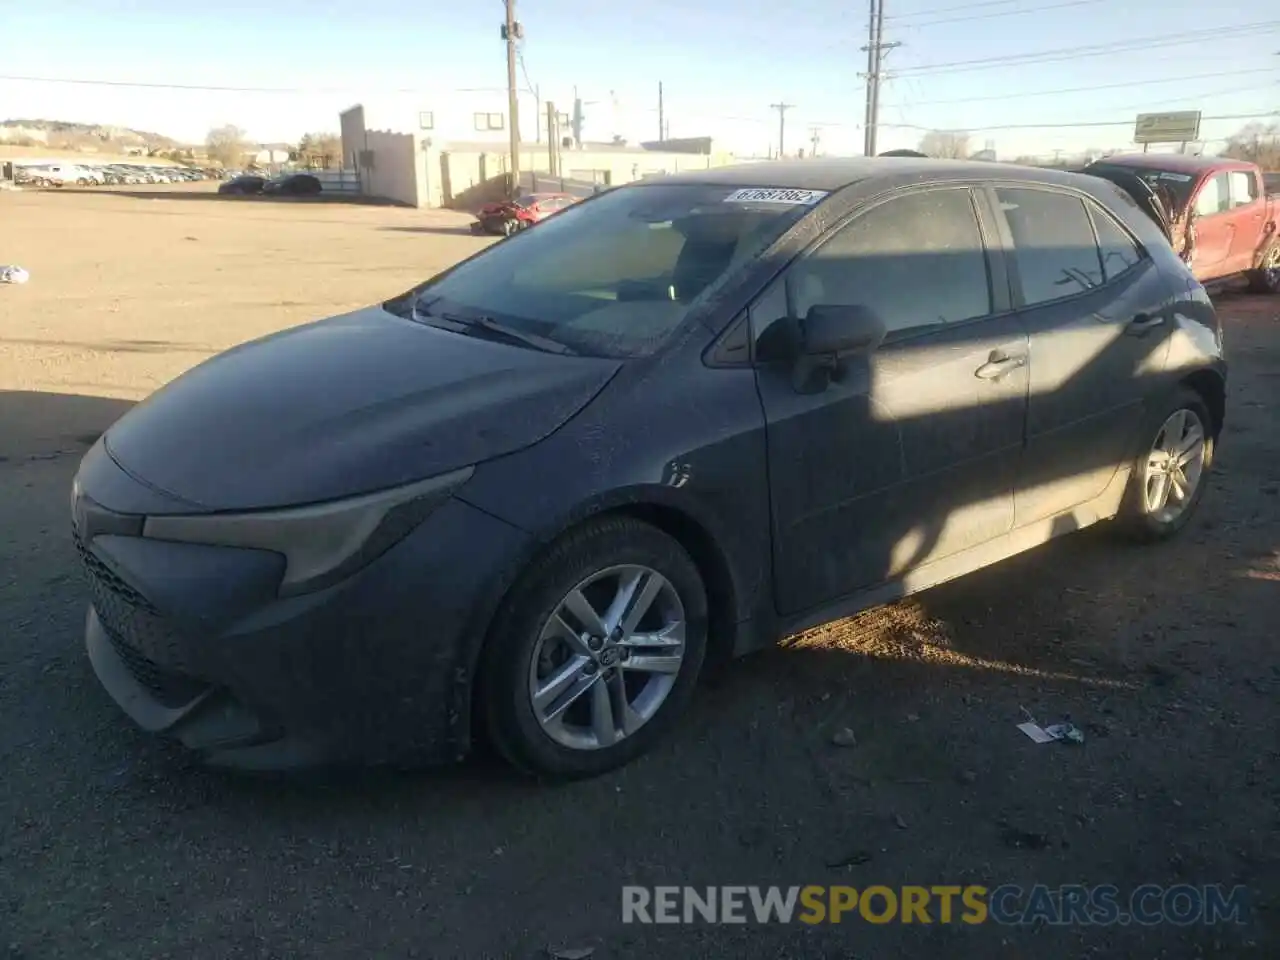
(607, 657)
(1271, 268)
(1175, 466)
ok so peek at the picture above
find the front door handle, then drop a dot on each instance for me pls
(1144, 322)
(999, 364)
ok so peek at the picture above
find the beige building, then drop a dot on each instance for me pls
(411, 163)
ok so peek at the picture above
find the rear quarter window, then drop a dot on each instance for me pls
(1119, 252)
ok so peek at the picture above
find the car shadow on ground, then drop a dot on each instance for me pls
(34, 425)
(450, 230)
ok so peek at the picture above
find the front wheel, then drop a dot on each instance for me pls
(1266, 279)
(1171, 471)
(595, 652)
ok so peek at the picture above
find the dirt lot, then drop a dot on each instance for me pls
(115, 846)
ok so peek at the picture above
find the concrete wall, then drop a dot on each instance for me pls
(394, 166)
(352, 123)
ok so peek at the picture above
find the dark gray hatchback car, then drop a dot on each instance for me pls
(530, 498)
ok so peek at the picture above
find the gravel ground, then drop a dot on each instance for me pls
(113, 845)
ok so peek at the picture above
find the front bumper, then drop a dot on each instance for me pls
(192, 642)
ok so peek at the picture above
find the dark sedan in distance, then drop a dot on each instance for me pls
(529, 499)
(244, 184)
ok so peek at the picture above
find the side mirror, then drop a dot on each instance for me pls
(832, 331)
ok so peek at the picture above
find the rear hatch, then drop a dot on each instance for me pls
(1141, 192)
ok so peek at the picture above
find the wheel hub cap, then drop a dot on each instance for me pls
(1175, 466)
(1272, 267)
(607, 657)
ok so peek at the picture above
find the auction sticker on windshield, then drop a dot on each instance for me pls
(805, 198)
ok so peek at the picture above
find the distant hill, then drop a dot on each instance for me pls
(82, 137)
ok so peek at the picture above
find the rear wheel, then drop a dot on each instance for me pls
(1171, 472)
(1266, 279)
(596, 651)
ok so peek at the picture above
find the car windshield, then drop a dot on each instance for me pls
(616, 275)
(1166, 183)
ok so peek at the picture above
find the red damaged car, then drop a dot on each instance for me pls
(507, 216)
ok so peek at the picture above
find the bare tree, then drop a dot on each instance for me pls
(321, 150)
(1256, 142)
(945, 144)
(227, 145)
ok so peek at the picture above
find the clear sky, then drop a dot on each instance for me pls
(722, 63)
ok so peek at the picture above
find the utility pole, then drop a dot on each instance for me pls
(553, 139)
(876, 49)
(662, 127)
(511, 32)
(815, 134)
(782, 109)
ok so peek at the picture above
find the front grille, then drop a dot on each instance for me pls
(133, 624)
(102, 575)
(171, 689)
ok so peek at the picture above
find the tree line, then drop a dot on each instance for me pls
(230, 146)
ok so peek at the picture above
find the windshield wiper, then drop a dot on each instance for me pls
(496, 328)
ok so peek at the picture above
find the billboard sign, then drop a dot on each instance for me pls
(1181, 127)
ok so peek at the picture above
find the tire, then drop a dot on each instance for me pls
(1266, 279)
(525, 648)
(509, 227)
(1140, 517)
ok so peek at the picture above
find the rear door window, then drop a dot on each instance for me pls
(1054, 247)
(1243, 187)
(1214, 196)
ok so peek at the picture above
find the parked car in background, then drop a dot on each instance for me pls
(676, 422)
(243, 184)
(62, 175)
(294, 185)
(1219, 213)
(506, 217)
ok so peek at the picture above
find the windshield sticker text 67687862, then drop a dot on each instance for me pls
(805, 198)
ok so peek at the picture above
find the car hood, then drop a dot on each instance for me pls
(345, 406)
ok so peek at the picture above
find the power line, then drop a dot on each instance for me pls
(1003, 13)
(1073, 126)
(212, 88)
(1091, 50)
(1104, 86)
(950, 9)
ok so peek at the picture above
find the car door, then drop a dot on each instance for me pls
(1248, 210)
(1214, 227)
(1096, 310)
(910, 454)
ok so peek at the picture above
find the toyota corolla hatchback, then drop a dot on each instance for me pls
(529, 499)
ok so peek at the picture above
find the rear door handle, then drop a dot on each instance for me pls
(999, 364)
(1145, 321)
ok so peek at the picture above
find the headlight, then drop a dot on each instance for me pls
(324, 542)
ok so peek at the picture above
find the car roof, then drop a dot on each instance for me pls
(1173, 162)
(836, 174)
